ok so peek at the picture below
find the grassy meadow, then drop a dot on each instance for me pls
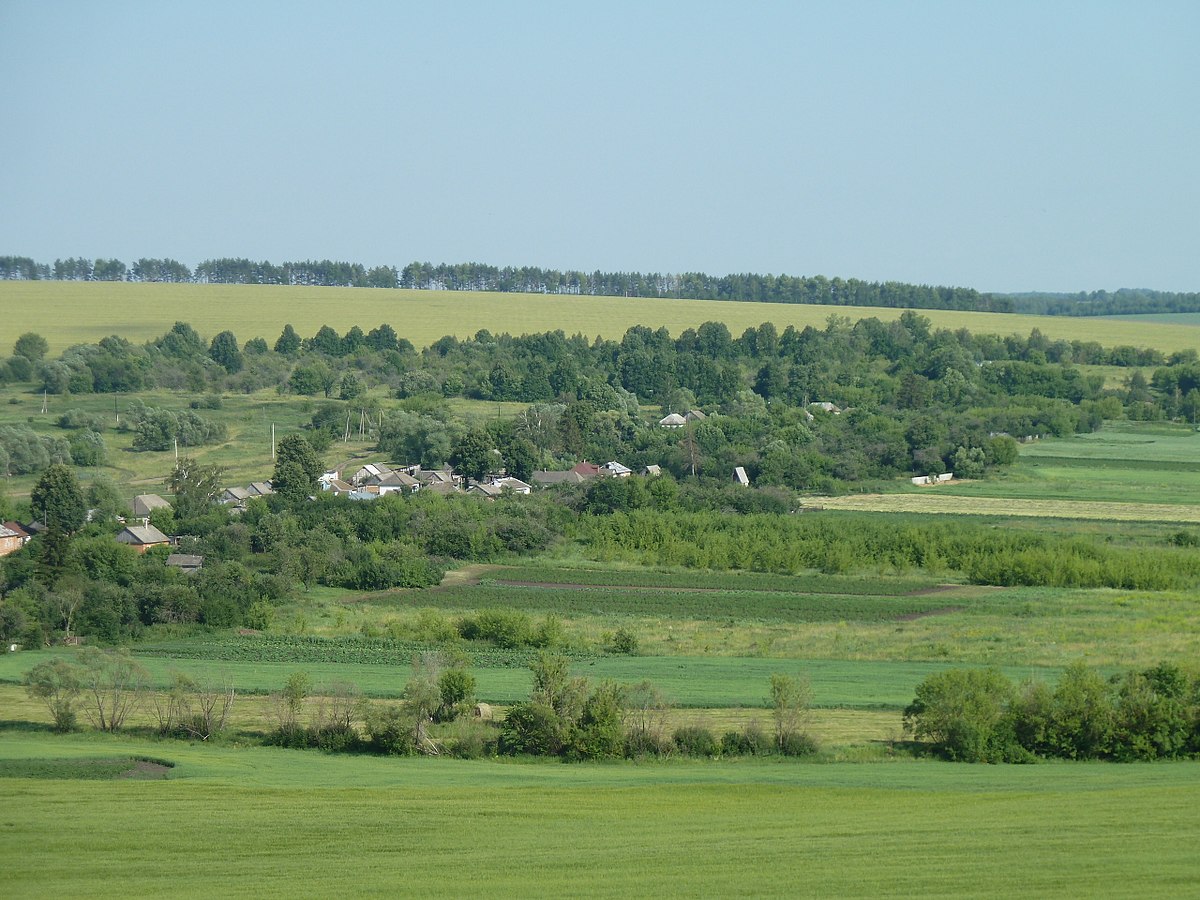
(277, 822)
(88, 311)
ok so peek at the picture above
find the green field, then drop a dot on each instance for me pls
(66, 313)
(1132, 471)
(275, 822)
(698, 682)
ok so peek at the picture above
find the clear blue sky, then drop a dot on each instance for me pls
(1005, 146)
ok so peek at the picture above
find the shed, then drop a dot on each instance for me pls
(673, 420)
(740, 476)
(652, 470)
(188, 563)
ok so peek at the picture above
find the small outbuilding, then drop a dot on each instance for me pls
(187, 563)
(674, 420)
(740, 476)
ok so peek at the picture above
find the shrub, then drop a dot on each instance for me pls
(964, 713)
(532, 728)
(797, 744)
(695, 740)
(750, 741)
(389, 731)
(623, 641)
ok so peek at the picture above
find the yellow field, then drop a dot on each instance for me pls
(75, 312)
(933, 502)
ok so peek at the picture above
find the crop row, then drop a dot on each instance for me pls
(743, 606)
(809, 583)
(305, 649)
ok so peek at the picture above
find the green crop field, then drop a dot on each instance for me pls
(1126, 471)
(74, 312)
(704, 682)
(276, 822)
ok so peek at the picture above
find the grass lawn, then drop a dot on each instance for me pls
(276, 822)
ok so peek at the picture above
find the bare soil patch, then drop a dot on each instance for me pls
(146, 770)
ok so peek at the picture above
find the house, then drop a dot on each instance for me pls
(337, 487)
(547, 478)
(394, 482)
(614, 469)
(740, 476)
(516, 485)
(430, 477)
(260, 489)
(586, 470)
(652, 470)
(490, 490)
(12, 538)
(142, 537)
(187, 563)
(695, 415)
(235, 495)
(144, 504)
(674, 420)
(371, 473)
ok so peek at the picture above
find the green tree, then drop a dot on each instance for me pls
(31, 346)
(225, 351)
(456, 687)
(57, 683)
(297, 468)
(195, 487)
(58, 501)
(288, 343)
(115, 685)
(473, 455)
(790, 701)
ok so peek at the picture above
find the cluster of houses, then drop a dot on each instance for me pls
(375, 480)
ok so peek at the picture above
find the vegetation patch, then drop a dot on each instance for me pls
(86, 769)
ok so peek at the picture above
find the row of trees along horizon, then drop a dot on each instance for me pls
(916, 400)
(765, 288)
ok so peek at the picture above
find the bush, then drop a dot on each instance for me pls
(473, 740)
(695, 740)
(533, 729)
(797, 744)
(964, 712)
(750, 741)
(504, 628)
(389, 731)
(623, 641)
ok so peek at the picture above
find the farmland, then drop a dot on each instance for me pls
(707, 617)
(89, 311)
(1126, 471)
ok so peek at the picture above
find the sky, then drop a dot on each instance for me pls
(1004, 146)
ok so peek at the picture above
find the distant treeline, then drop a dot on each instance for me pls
(526, 279)
(1126, 301)
(816, 289)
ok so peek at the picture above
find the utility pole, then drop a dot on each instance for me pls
(272, 442)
